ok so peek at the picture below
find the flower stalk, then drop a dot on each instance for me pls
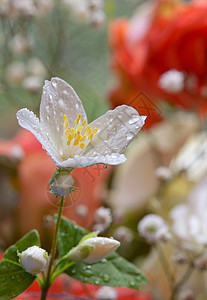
(48, 281)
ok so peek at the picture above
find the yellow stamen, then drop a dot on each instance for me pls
(79, 128)
(73, 131)
(90, 131)
(87, 128)
(90, 137)
(77, 119)
(70, 137)
(67, 131)
(76, 142)
(82, 145)
(84, 123)
(65, 119)
(68, 142)
(95, 130)
(83, 137)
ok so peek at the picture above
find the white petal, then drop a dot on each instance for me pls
(28, 120)
(59, 98)
(117, 128)
(81, 162)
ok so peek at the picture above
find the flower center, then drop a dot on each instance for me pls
(79, 135)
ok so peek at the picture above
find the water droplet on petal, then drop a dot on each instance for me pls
(61, 102)
(129, 136)
(134, 120)
(77, 105)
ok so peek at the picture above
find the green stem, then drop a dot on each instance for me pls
(60, 271)
(47, 283)
(178, 286)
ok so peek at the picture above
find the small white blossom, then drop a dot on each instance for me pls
(106, 293)
(15, 72)
(34, 259)
(81, 210)
(19, 44)
(102, 218)
(36, 67)
(63, 130)
(32, 83)
(172, 81)
(163, 173)
(153, 228)
(123, 234)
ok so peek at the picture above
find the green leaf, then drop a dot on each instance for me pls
(14, 280)
(69, 235)
(113, 271)
(29, 240)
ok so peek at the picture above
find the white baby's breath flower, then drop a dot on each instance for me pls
(34, 259)
(106, 293)
(153, 228)
(32, 83)
(15, 72)
(102, 218)
(63, 130)
(123, 234)
(36, 67)
(172, 81)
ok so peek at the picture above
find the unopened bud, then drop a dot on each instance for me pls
(62, 185)
(93, 250)
(34, 259)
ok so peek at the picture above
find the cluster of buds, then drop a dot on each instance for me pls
(26, 8)
(29, 75)
(91, 11)
(102, 218)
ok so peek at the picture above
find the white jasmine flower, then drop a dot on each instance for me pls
(63, 130)
(172, 81)
(106, 293)
(93, 250)
(102, 218)
(153, 228)
(34, 259)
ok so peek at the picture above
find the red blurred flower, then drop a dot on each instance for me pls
(171, 36)
(34, 169)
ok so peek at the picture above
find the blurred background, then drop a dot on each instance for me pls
(151, 55)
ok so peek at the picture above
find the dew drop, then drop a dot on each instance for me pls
(132, 284)
(87, 273)
(106, 278)
(97, 281)
(47, 108)
(129, 136)
(54, 83)
(60, 102)
(77, 105)
(134, 120)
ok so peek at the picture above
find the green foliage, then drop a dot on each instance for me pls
(113, 271)
(13, 278)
